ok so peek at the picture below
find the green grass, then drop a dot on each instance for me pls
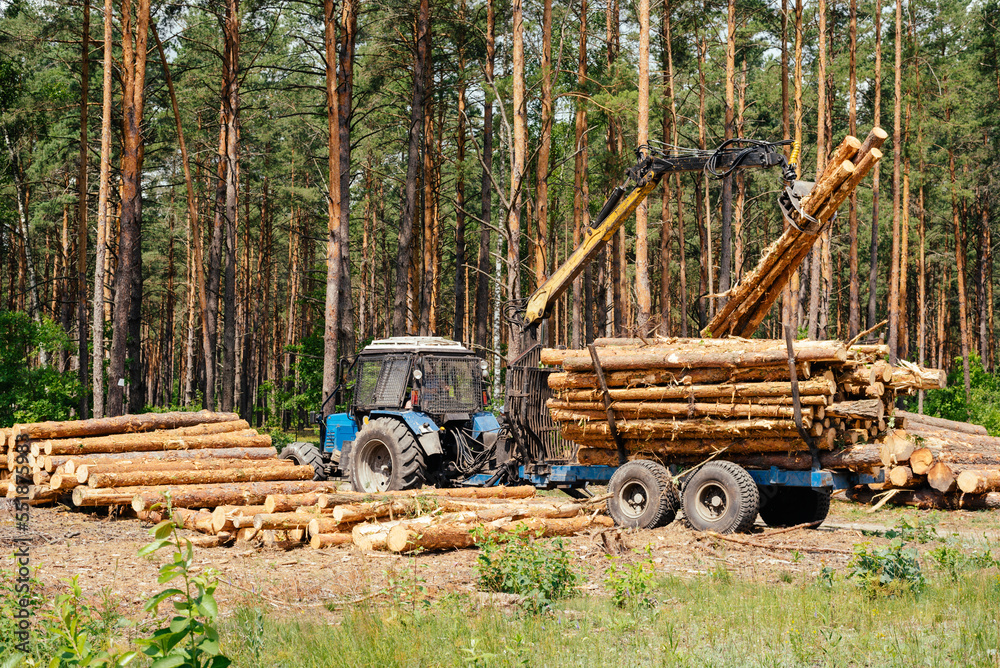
(714, 620)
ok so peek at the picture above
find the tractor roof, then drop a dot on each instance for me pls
(428, 344)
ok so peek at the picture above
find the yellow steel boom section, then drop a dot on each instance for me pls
(595, 238)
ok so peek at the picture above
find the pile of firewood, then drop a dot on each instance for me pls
(749, 302)
(422, 520)
(936, 463)
(682, 400)
(106, 461)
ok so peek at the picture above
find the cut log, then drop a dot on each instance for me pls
(979, 481)
(922, 460)
(120, 425)
(239, 439)
(707, 446)
(694, 355)
(446, 536)
(941, 423)
(72, 461)
(86, 497)
(697, 376)
(930, 499)
(196, 520)
(282, 521)
(84, 471)
(283, 503)
(697, 428)
(903, 477)
(864, 409)
(234, 475)
(222, 517)
(564, 410)
(822, 385)
(321, 540)
(43, 495)
(499, 492)
(897, 447)
(91, 444)
(40, 479)
(214, 495)
(63, 482)
(942, 478)
(372, 536)
(917, 378)
(219, 540)
(322, 525)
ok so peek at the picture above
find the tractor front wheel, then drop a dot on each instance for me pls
(386, 457)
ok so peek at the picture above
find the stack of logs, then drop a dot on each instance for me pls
(225, 481)
(937, 463)
(749, 302)
(683, 400)
(106, 461)
(425, 520)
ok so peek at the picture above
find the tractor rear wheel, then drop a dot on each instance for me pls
(721, 497)
(789, 506)
(386, 457)
(305, 454)
(642, 495)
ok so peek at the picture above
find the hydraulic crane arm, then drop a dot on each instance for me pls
(647, 174)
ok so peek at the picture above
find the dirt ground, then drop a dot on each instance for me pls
(102, 552)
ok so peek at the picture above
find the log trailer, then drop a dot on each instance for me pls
(416, 407)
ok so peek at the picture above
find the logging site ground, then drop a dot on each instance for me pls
(669, 596)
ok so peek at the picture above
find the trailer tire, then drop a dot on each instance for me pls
(305, 454)
(386, 457)
(721, 497)
(790, 506)
(643, 495)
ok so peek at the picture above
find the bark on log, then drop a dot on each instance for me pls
(861, 409)
(695, 355)
(822, 385)
(170, 477)
(929, 499)
(240, 439)
(43, 495)
(40, 478)
(73, 445)
(451, 536)
(86, 497)
(83, 472)
(500, 492)
(321, 525)
(212, 496)
(196, 520)
(923, 458)
(707, 446)
(120, 425)
(979, 481)
(911, 379)
(222, 517)
(282, 521)
(70, 462)
(697, 428)
(219, 540)
(941, 423)
(696, 376)
(283, 503)
(322, 540)
(562, 410)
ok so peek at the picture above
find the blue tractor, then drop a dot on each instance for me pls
(416, 414)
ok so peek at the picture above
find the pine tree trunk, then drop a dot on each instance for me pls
(484, 272)
(405, 237)
(815, 265)
(544, 150)
(333, 252)
(877, 110)
(854, 308)
(461, 269)
(644, 297)
(960, 269)
(81, 216)
(97, 373)
(581, 188)
(517, 173)
(897, 155)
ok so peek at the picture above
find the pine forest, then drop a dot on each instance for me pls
(219, 203)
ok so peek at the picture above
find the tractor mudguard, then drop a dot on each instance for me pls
(422, 426)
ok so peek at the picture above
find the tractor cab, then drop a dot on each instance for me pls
(415, 414)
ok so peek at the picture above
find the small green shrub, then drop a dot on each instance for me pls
(886, 571)
(955, 560)
(191, 640)
(924, 531)
(519, 563)
(83, 634)
(630, 584)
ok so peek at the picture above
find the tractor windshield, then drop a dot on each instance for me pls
(451, 385)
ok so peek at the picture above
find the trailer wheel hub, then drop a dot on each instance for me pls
(712, 501)
(633, 497)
